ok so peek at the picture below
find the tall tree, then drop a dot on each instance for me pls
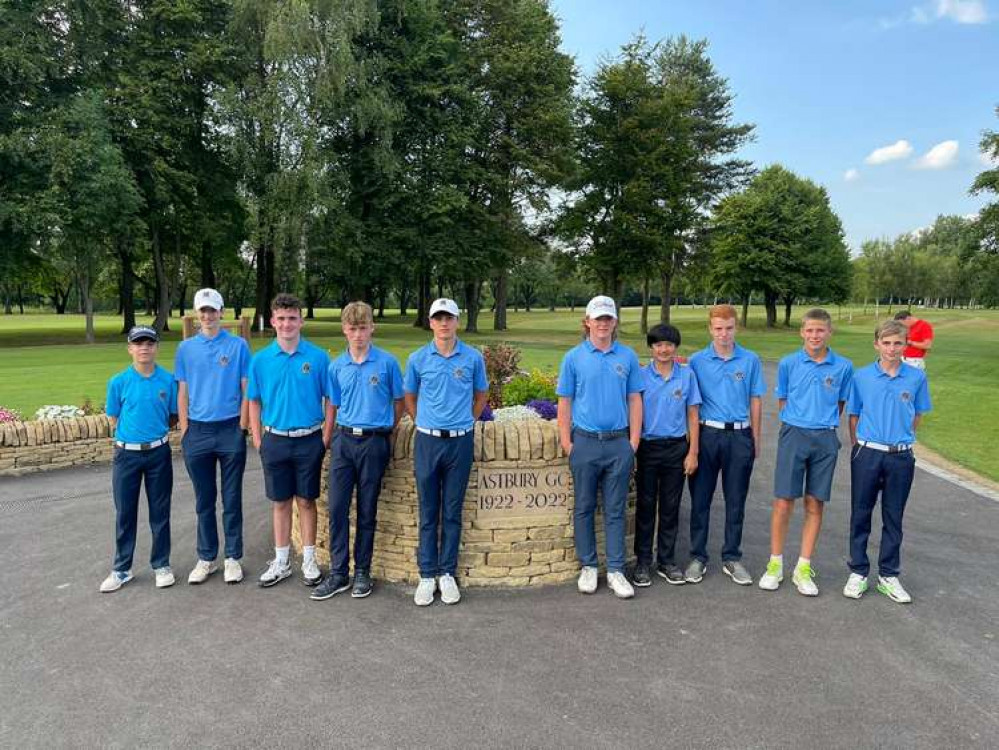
(988, 182)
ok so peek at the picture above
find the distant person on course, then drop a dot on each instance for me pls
(919, 339)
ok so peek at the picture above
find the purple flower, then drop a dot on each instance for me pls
(544, 408)
(487, 414)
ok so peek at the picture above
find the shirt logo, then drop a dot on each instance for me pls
(223, 360)
(905, 396)
(829, 381)
(162, 395)
(373, 380)
(678, 393)
(619, 369)
(306, 368)
(739, 375)
(459, 372)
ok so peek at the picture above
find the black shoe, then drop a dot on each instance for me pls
(641, 576)
(362, 584)
(333, 585)
(672, 574)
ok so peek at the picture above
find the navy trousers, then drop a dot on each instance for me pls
(890, 475)
(605, 465)
(129, 470)
(442, 466)
(207, 446)
(355, 462)
(732, 454)
(659, 481)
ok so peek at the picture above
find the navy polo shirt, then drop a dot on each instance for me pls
(212, 369)
(599, 382)
(365, 392)
(888, 405)
(142, 404)
(727, 385)
(665, 401)
(445, 386)
(812, 390)
(289, 387)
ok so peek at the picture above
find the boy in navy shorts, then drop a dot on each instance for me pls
(887, 401)
(666, 455)
(813, 384)
(142, 406)
(291, 430)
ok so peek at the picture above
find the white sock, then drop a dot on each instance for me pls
(281, 554)
(309, 552)
(804, 561)
(777, 559)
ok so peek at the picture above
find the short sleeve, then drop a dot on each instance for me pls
(566, 387)
(253, 386)
(480, 381)
(324, 367)
(112, 403)
(243, 358)
(922, 402)
(847, 382)
(173, 396)
(411, 382)
(395, 379)
(759, 387)
(855, 402)
(333, 392)
(635, 382)
(693, 391)
(780, 390)
(179, 368)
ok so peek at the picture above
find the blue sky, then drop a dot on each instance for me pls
(829, 83)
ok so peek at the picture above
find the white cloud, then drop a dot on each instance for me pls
(851, 175)
(958, 11)
(941, 156)
(897, 150)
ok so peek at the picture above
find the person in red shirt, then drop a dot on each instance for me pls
(920, 339)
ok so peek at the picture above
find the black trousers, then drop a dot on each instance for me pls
(659, 482)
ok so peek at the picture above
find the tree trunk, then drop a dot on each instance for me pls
(666, 290)
(788, 302)
(403, 299)
(745, 310)
(423, 300)
(162, 283)
(265, 285)
(644, 325)
(382, 294)
(88, 304)
(207, 270)
(500, 290)
(472, 291)
(770, 302)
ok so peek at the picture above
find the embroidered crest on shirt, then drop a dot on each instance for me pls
(678, 393)
(459, 372)
(829, 381)
(223, 360)
(306, 368)
(739, 375)
(905, 396)
(619, 369)
(162, 395)
(373, 380)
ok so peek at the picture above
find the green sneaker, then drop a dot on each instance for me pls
(892, 588)
(774, 575)
(855, 587)
(802, 579)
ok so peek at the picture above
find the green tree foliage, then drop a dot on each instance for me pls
(988, 183)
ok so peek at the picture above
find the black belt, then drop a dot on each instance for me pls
(359, 432)
(665, 439)
(603, 434)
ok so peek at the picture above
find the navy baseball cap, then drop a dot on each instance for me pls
(137, 333)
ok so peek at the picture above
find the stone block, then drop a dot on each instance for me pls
(488, 441)
(496, 582)
(471, 559)
(565, 565)
(489, 571)
(546, 532)
(508, 559)
(537, 439)
(477, 535)
(510, 535)
(532, 546)
(555, 555)
(512, 440)
(534, 569)
(477, 440)
(554, 578)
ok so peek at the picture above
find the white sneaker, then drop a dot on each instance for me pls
(233, 570)
(164, 577)
(115, 581)
(804, 580)
(770, 581)
(425, 592)
(855, 587)
(619, 585)
(201, 571)
(276, 572)
(892, 588)
(449, 590)
(311, 575)
(587, 583)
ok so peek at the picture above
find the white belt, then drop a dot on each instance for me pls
(725, 425)
(900, 448)
(294, 433)
(442, 433)
(141, 446)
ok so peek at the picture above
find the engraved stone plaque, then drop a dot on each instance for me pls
(523, 491)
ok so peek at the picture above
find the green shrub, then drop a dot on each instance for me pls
(538, 384)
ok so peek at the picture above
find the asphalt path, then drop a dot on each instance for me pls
(713, 665)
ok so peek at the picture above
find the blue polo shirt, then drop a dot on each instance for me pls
(289, 387)
(888, 405)
(445, 386)
(665, 401)
(212, 369)
(365, 393)
(727, 385)
(812, 390)
(598, 383)
(141, 404)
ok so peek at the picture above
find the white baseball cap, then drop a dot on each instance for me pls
(600, 306)
(444, 305)
(207, 298)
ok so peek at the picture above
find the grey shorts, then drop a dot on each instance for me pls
(806, 461)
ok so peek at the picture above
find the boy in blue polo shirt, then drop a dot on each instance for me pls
(887, 401)
(142, 406)
(445, 391)
(600, 425)
(365, 397)
(813, 384)
(211, 370)
(666, 455)
(291, 429)
(732, 386)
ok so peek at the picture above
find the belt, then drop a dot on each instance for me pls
(442, 433)
(900, 448)
(603, 434)
(294, 433)
(681, 439)
(360, 432)
(141, 446)
(725, 425)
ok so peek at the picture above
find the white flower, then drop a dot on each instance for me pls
(514, 414)
(56, 411)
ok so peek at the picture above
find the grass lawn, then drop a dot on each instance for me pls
(43, 362)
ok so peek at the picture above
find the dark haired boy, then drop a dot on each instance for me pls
(667, 454)
(142, 406)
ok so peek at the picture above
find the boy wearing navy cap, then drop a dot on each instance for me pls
(813, 384)
(211, 370)
(445, 391)
(365, 399)
(666, 454)
(732, 386)
(291, 429)
(142, 406)
(887, 401)
(600, 424)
